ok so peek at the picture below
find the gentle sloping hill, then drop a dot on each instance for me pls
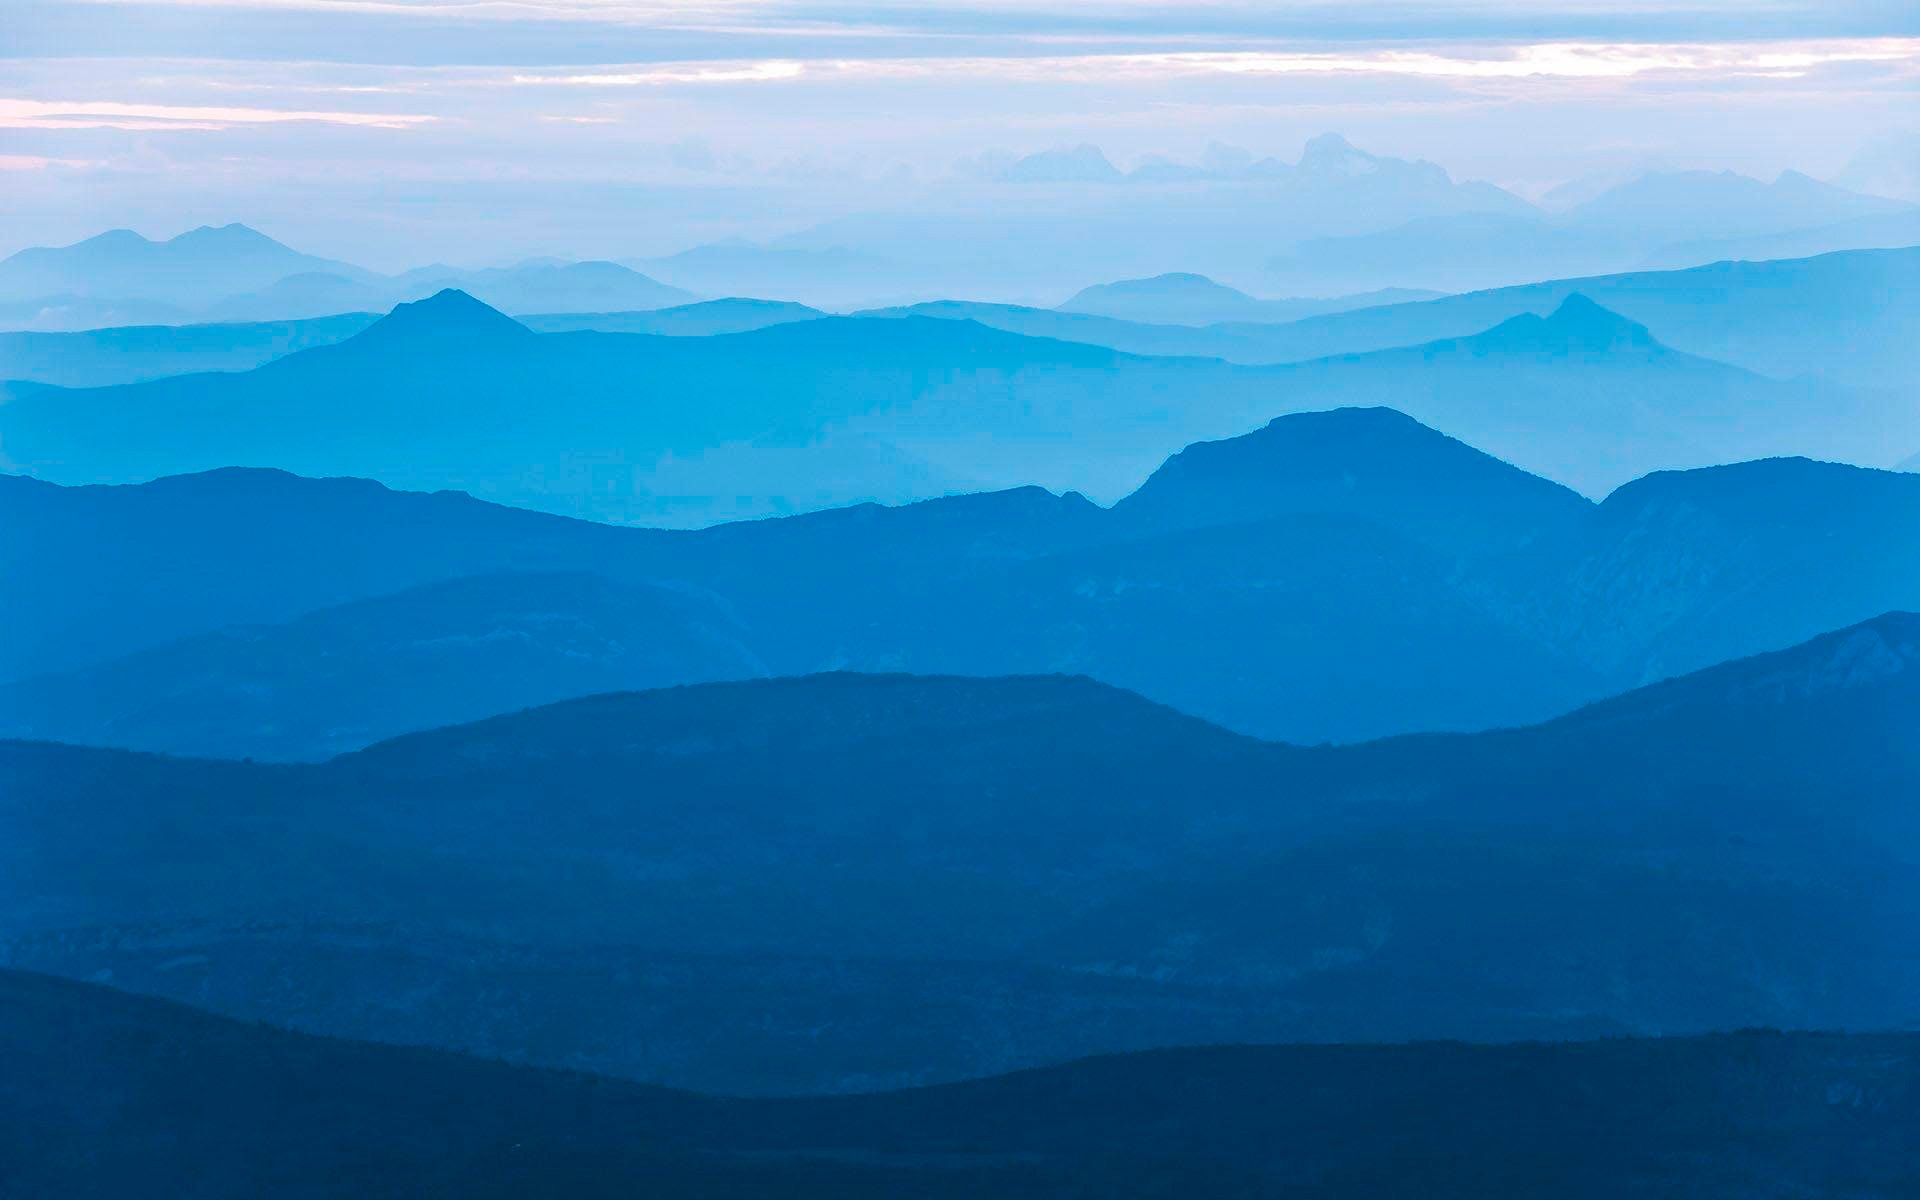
(1678, 569)
(811, 414)
(337, 679)
(190, 271)
(1181, 298)
(732, 315)
(1310, 581)
(1591, 399)
(1673, 205)
(99, 357)
(115, 569)
(1321, 585)
(1849, 316)
(684, 430)
(1375, 463)
(1730, 849)
(141, 1092)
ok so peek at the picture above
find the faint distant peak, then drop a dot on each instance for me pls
(447, 314)
(1084, 163)
(230, 236)
(116, 238)
(1332, 154)
(1579, 325)
(1174, 285)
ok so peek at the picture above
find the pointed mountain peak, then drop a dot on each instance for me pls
(1331, 154)
(447, 314)
(1578, 325)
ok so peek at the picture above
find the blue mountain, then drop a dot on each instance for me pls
(1297, 582)
(810, 414)
(1183, 298)
(1743, 826)
(165, 1088)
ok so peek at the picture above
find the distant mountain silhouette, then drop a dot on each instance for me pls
(825, 275)
(309, 295)
(1844, 316)
(1665, 220)
(199, 265)
(561, 287)
(102, 357)
(235, 274)
(342, 677)
(1376, 463)
(734, 315)
(448, 317)
(1894, 231)
(1839, 316)
(1314, 529)
(1137, 225)
(1294, 582)
(110, 1091)
(1591, 399)
(1789, 545)
(1682, 204)
(786, 418)
(810, 414)
(1187, 299)
(134, 354)
(1718, 851)
(1076, 164)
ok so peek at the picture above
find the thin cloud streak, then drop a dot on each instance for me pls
(1547, 61)
(18, 113)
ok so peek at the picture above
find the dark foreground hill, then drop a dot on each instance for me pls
(1004, 872)
(109, 1094)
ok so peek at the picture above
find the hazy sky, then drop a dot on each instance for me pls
(394, 132)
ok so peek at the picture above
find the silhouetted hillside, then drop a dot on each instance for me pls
(810, 414)
(188, 271)
(1719, 851)
(1311, 581)
(735, 315)
(1300, 615)
(99, 357)
(1375, 463)
(342, 677)
(1847, 316)
(1182, 298)
(109, 1094)
(1590, 399)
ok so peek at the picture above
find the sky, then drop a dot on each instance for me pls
(397, 132)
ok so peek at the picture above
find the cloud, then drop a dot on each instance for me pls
(770, 71)
(16, 113)
(36, 162)
(1541, 61)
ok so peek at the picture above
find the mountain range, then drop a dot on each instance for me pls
(900, 836)
(109, 1093)
(1183, 298)
(237, 274)
(1660, 220)
(1843, 316)
(828, 411)
(1305, 582)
